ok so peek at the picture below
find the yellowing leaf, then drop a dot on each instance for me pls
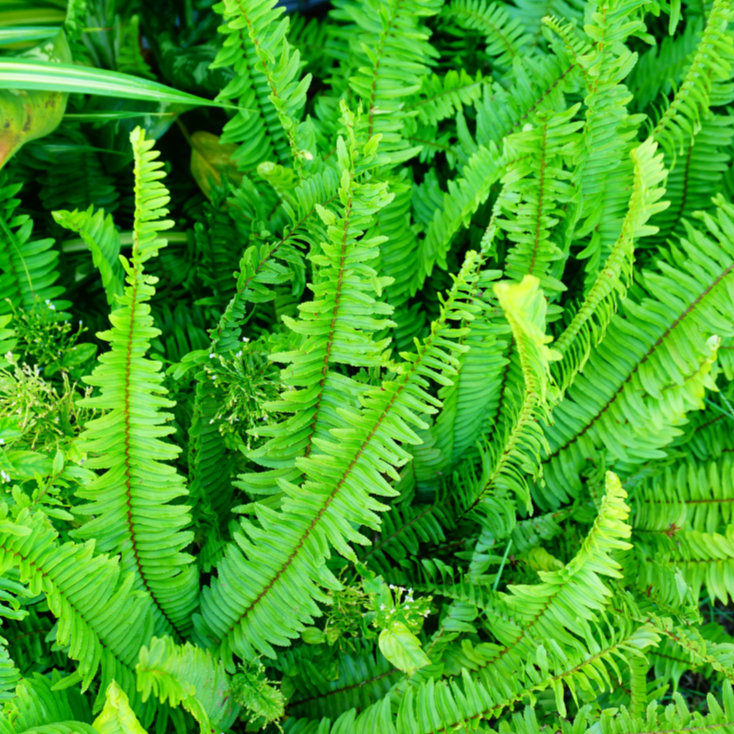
(117, 717)
(27, 115)
(211, 162)
(402, 648)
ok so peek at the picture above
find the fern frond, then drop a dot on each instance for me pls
(265, 85)
(442, 97)
(99, 233)
(506, 38)
(514, 450)
(712, 62)
(190, 677)
(283, 551)
(117, 717)
(102, 621)
(536, 191)
(659, 70)
(27, 266)
(391, 59)
(132, 503)
(364, 677)
(37, 704)
(334, 330)
(680, 307)
(588, 326)
(697, 174)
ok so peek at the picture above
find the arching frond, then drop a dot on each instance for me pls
(132, 502)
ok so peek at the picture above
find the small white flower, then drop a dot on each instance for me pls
(4, 475)
(245, 339)
(52, 307)
(382, 606)
(9, 356)
(2, 441)
(212, 355)
(392, 586)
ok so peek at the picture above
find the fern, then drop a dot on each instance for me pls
(422, 422)
(131, 502)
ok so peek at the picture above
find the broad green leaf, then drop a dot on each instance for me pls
(27, 114)
(402, 648)
(211, 161)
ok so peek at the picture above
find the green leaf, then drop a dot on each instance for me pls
(27, 74)
(402, 648)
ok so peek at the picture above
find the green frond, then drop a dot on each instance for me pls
(117, 717)
(539, 85)
(364, 677)
(588, 326)
(697, 174)
(711, 63)
(687, 495)
(535, 194)
(627, 396)
(102, 620)
(284, 549)
(266, 85)
(471, 403)
(391, 58)
(27, 266)
(264, 265)
(515, 447)
(190, 677)
(330, 330)
(674, 717)
(99, 234)
(506, 38)
(132, 503)
(660, 69)
(442, 97)
(37, 704)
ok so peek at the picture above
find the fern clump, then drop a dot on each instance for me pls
(387, 388)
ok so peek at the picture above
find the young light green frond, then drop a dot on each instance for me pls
(27, 266)
(117, 716)
(711, 63)
(190, 677)
(132, 503)
(589, 324)
(514, 450)
(99, 233)
(284, 551)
